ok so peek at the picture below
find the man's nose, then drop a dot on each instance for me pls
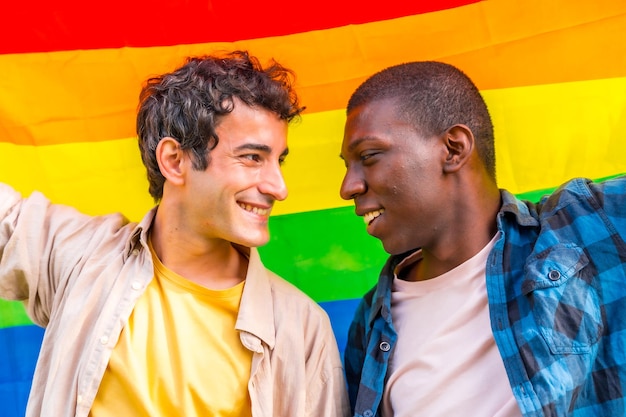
(273, 183)
(352, 185)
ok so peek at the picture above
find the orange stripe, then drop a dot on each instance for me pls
(82, 96)
(578, 43)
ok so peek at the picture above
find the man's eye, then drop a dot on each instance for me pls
(281, 160)
(368, 155)
(252, 157)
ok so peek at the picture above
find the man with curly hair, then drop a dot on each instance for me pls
(176, 314)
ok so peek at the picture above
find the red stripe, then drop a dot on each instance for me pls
(78, 24)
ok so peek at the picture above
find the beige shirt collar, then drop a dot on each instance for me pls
(256, 311)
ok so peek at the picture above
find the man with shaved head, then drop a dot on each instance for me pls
(488, 305)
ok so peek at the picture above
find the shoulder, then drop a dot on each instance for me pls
(584, 218)
(287, 295)
(295, 309)
(582, 195)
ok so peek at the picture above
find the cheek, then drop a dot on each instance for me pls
(399, 181)
(384, 176)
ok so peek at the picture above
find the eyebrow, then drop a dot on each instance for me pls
(361, 140)
(259, 147)
(357, 142)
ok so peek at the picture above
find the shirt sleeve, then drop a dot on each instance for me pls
(611, 196)
(41, 246)
(13, 285)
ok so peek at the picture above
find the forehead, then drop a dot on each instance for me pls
(389, 107)
(380, 119)
(252, 123)
(243, 114)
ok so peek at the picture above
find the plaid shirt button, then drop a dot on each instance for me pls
(554, 275)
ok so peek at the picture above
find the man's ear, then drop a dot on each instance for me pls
(170, 157)
(459, 141)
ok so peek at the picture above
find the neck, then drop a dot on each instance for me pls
(473, 225)
(211, 262)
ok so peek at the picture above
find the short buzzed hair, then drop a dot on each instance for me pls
(432, 97)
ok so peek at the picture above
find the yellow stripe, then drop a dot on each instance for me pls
(96, 178)
(548, 134)
(545, 135)
(77, 96)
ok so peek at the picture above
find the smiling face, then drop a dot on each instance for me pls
(395, 177)
(232, 199)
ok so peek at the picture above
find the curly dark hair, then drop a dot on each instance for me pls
(432, 97)
(187, 103)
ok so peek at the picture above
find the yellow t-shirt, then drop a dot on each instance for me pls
(178, 355)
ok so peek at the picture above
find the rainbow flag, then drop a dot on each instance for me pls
(552, 72)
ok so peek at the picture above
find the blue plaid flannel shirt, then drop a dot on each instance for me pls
(556, 284)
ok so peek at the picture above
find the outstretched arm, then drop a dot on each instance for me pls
(41, 246)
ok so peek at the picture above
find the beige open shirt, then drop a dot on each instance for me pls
(81, 277)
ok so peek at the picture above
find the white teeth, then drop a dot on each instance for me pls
(368, 217)
(255, 210)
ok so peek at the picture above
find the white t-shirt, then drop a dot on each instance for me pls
(445, 362)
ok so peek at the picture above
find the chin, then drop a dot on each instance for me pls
(396, 249)
(389, 248)
(253, 242)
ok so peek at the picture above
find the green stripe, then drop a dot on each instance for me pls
(12, 313)
(326, 253)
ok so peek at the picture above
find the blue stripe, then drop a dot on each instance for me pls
(19, 347)
(341, 313)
